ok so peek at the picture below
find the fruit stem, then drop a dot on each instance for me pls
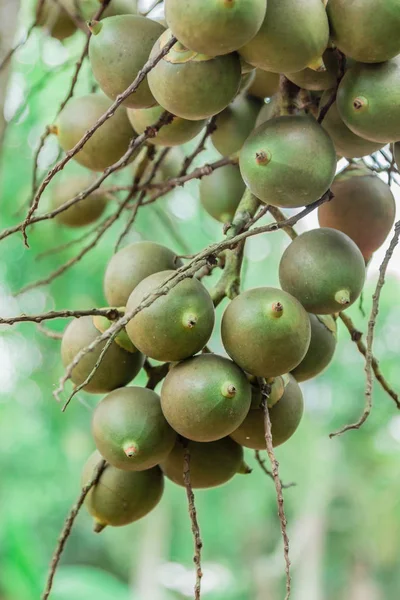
(98, 527)
(94, 27)
(276, 310)
(263, 158)
(342, 297)
(317, 65)
(244, 468)
(288, 93)
(228, 390)
(131, 449)
(189, 321)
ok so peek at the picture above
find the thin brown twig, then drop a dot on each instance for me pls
(53, 335)
(110, 313)
(155, 374)
(261, 462)
(198, 544)
(66, 245)
(332, 97)
(210, 128)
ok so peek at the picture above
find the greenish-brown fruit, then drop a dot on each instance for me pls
(293, 36)
(265, 84)
(211, 464)
(178, 132)
(176, 325)
(107, 145)
(206, 397)
(117, 368)
(81, 213)
(285, 418)
(245, 67)
(55, 19)
(288, 161)
(366, 30)
(346, 143)
(130, 430)
(246, 81)
(368, 100)
(234, 124)
(396, 154)
(277, 389)
(221, 192)
(321, 349)
(121, 497)
(324, 269)
(268, 110)
(266, 331)
(309, 79)
(119, 48)
(363, 208)
(193, 86)
(214, 27)
(117, 7)
(131, 265)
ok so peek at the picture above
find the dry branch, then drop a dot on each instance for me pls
(110, 313)
(261, 462)
(198, 544)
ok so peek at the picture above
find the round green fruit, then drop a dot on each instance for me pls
(367, 100)
(107, 145)
(363, 208)
(285, 418)
(265, 84)
(293, 36)
(288, 161)
(119, 48)
(205, 398)
(121, 497)
(193, 86)
(214, 27)
(367, 31)
(130, 430)
(178, 132)
(234, 124)
(211, 464)
(309, 79)
(324, 269)
(221, 192)
(117, 368)
(321, 350)
(177, 324)
(54, 18)
(81, 213)
(266, 331)
(116, 7)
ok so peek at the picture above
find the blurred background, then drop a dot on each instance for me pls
(343, 514)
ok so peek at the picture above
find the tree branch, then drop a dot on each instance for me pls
(111, 313)
(198, 544)
(261, 462)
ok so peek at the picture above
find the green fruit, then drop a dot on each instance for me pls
(247, 80)
(193, 86)
(214, 27)
(265, 84)
(366, 30)
(268, 110)
(363, 208)
(121, 497)
(117, 7)
(119, 48)
(205, 398)
(130, 430)
(294, 35)
(234, 124)
(321, 349)
(396, 154)
(285, 418)
(131, 265)
(221, 192)
(367, 100)
(211, 464)
(107, 145)
(323, 269)
(177, 325)
(277, 389)
(178, 132)
(266, 331)
(309, 79)
(57, 20)
(82, 213)
(346, 143)
(117, 368)
(288, 161)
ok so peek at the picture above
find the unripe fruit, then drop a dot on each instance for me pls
(321, 350)
(397, 154)
(309, 79)
(55, 19)
(221, 192)
(206, 397)
(234, 124)
(265, 84)
(116, 7)
(81, 213)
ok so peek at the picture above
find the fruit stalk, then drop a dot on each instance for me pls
(198, 544)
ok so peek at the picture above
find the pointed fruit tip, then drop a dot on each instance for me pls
(98, 527)
(131, 450)
(244, 468)
(94, 26)
(343, 297)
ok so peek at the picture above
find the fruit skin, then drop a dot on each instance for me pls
(324, 269)
(321, 350)
(117, 368)
(205, 398)
(367, 100)
(211, 464)
(119, 48)
(130, 430)
(366, 30)
(288, 161)
(293, 35)
(363, 208)
(285, 417)
(60, 25)
(309, 79)
(107, 145)
(214, 27)
(265, 84)
(234, 124)
(193, 86)
(266, 331)
(117, 7)
(178, 132)
(176, 325)
(121, 497)
(129, 266)
(221, 192)
(397, 153)
(82, 213)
